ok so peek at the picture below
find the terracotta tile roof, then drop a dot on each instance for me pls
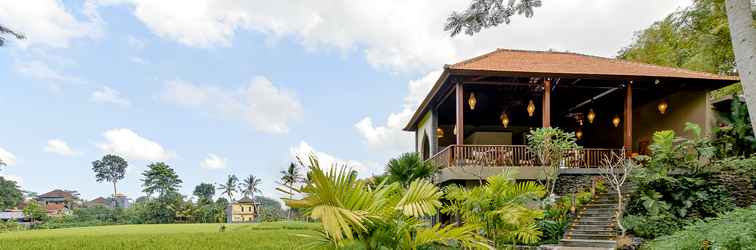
(100, 200)
(246, 199)
(55, 207)
(549, 62)
(57, 193)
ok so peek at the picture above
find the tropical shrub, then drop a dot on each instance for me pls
(652, 226)
(386, 217)
(9, 226)
(407, 168)
(500, 208)
(734, 137)
(733, 230)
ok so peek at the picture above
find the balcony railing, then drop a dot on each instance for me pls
(514, 156)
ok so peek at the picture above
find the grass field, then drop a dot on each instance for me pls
(275, 235)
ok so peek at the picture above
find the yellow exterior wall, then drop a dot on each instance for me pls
(243, 212)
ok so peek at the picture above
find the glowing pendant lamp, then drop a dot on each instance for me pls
(662, 107)
(505, 120)
(616, 121)
(591, 116)
(531, 108)
(472, 101)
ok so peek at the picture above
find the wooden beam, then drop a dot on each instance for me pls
(586, 102)
(628, 135)
(460, 93)
(546, 103)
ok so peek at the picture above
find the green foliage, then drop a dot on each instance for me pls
(483, 14)
(270, 209)
(251, 186)
(669, 153)
(161, 179)
(733, 230)
(10, 226)
(204, 193)
(650, 227)
(735, 137)
(407, 168)
(696, 38)
(499, 208)
(35, 211)
(387, 216)
(111, 168)
(229, 188)
(10, 194)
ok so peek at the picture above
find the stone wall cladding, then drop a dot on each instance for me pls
(741, 188)
(568, 184)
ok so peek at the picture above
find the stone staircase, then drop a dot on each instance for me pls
(594, 225)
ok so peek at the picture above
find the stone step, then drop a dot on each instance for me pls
(588, 243)
(591, 227)
(591, 236)
(600, 205)
(601, 231)
(593, 223)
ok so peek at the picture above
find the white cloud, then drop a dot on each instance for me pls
(303, 151)
(7, 157)
(390, 137)
(214, 161)
(109, 95)
(135, 42)
(60, 147)
(265, 106)
(130, 145)
(47, 22)
(41, 70)
(399, 35)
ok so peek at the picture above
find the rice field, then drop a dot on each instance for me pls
(274, 235)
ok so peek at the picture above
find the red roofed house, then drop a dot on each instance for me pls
(487, 105)
(58, 201)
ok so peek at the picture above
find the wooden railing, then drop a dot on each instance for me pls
(515, 156)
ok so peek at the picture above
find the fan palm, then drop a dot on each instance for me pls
(251, 185)
(230, 187)
(500, 207)
(407, 168)
(387, 216)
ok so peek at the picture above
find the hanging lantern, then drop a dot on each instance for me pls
(662, 107)
(591, 116)
(616, 121)
(455, 129)
(531, 108)
(579, 134)
(472, 101)
(504, 120)
(439, 133)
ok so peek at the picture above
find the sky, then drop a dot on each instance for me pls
(223, 87)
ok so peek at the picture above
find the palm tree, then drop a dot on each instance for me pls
(500, 207)
(407, 168)
(388, 216)
(291, 177)
(251, 186)
(230, 187)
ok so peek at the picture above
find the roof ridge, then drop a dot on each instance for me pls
(477, 58)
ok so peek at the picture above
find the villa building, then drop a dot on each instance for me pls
(480, 110)
(243, 210)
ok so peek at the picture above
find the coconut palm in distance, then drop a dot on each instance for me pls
(290, 177)
(251, 186)
(230, 187)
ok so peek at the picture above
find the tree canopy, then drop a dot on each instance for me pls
(251, 185)
(161, 179)
(407, 168)
(10, 194)
(229, 188)
(204, 192)
(482, 14)
(5, 30)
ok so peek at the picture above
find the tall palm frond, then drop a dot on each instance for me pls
(230, 187)
(408, 167)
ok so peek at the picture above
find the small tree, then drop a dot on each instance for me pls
(10, 195)
(230, 187)
(407, 168)
(160, 178)
(483, 14)
(204, 193)
(4, 30)
(291, 176)
(111, 168)
(615, 170)
(551, 146)
(34, 211)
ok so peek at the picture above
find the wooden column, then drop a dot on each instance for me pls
(460, 113)
(546, 103)
(628, 134)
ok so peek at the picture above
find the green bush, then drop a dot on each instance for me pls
(9, 226)
(733, 230)
(650, 227)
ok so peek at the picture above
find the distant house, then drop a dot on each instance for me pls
(99, 201)
(12, 215)
(58, 202)
(243, 210)
(122, 199)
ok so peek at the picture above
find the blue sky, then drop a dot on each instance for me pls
(220, 87)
